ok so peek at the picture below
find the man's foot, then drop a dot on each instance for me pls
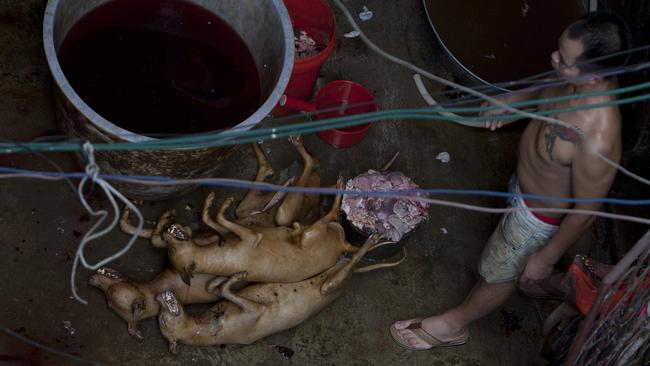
(423, 334)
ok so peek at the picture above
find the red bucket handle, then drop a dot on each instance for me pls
(297, 104)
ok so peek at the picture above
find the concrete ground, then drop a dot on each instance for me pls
(41, 222)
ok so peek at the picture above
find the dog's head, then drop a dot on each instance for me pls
(126, 299)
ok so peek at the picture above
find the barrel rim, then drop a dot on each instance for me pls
(129, 136)
(451, 55)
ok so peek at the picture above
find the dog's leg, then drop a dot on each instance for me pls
(291, 205)
(132, 328)
(247, 305)
(296, 233)
(207, 219)
(254, 199)
(128, 228)
(163, 222)
(213, 285)
(312, 234)
(334, 211)
(309, 212)
(245, 234)
(203, 239)
(337, 280)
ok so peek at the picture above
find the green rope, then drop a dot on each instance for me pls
(233, 137)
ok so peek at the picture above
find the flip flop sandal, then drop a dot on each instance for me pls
(416, 328)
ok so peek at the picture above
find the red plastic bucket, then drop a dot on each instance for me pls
(344, 98)
(337, 99)
(317, 19)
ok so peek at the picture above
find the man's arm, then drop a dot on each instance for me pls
(591, 178)
(518, 96)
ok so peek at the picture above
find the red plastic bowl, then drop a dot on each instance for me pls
(335, 97)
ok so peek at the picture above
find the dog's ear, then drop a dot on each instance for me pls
(188, 231)
(138, 306)
(188, 273)
(173, 347)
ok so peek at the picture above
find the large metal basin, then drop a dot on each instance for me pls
(265, 27)
(491, 42)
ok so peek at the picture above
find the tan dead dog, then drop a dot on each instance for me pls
(269, 254)
(256, 209)
(259, 310)
(262, 209)
(276, 254)
(134, 301)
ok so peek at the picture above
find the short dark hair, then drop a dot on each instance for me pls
(601, 33)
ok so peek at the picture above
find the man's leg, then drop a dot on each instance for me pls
(452, 325)
(500, 266)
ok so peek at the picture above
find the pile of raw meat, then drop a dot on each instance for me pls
(305, 45)
(389, 217)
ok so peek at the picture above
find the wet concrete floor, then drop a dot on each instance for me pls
(41, 222)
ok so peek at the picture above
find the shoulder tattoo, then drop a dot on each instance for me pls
(554, 131)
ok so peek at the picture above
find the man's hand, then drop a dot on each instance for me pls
(493, 124)
(537, 268)
(509, 98)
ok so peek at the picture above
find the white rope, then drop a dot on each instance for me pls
(92, 174)
(453, 117)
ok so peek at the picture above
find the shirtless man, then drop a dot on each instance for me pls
(553, 161)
